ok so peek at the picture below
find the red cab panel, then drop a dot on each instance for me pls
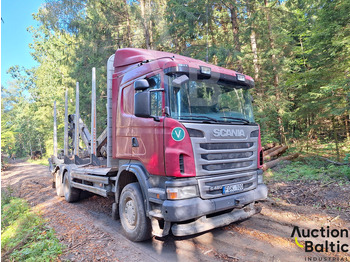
(179, 160)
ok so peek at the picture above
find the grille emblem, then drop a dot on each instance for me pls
(228, 132)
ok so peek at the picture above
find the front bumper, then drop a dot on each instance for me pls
(204, 223)
(182, 210)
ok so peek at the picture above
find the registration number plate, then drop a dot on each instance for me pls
(232, 188)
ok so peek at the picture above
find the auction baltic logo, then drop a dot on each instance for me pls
(323, 236)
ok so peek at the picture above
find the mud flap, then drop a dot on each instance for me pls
(204, 224)
(157, 231)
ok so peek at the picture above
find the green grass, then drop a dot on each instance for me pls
(24, 234)
(311, 168)
(325, 149)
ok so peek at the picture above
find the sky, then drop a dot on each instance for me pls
(15, 40)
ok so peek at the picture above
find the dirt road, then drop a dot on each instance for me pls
(90, 234)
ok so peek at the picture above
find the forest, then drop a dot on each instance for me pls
(297, 51)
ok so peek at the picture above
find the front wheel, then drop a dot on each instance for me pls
(59, 184)
(71, 194)
(136, 225)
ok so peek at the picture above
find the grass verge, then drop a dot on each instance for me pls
(24, 234)
(309, 168)
(43, 161)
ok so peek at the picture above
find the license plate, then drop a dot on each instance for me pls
(232, 188)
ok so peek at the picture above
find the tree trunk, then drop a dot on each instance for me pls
(255, 55)
(272, 45)
(253, 42)
(31, 151)
(336, 139)
(145, 23)
(275, 74)
(235, 31)
(276, 161)
(41, 149)
(275, 153)
(269, 145)
(269, 151)
(128, 27)
(347, 131)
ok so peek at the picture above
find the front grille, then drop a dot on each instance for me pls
(223, 161)
(224, 166)
(223, 146)
(233, 156)
(211, 187)
(222, 156)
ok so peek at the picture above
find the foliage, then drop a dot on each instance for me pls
(297, 51)
(24, 234)
(43, 161)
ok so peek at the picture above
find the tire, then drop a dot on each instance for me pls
(58, 184)
(136, 225)
(71, 194)
(115, 211)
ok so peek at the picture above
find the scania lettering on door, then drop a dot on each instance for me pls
(228, 132)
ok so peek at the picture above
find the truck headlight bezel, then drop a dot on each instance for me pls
(185, 192)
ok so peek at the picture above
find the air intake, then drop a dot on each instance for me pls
(181, 164)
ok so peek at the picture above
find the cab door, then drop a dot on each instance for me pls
(147, 133)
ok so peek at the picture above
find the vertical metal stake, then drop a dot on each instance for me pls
(65, 149)
(77, 117)
(54, 130)
(110, 70)
(93, 113)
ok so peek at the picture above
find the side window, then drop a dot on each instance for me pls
(156, 97)
(128, 101)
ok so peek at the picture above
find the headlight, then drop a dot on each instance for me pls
(260, 179)
(174, 193)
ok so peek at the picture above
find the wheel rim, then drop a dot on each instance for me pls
(130, 213)
(65, 187)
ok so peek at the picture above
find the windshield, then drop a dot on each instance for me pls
(209, 100)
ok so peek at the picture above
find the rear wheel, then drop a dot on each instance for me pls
(71, 194)
(136, 225)
(59, 185)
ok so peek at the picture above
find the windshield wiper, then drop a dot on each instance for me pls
(198, 117)
(237, 119)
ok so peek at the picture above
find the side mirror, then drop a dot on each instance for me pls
(141, 84)
(177, 82)
(142, 104)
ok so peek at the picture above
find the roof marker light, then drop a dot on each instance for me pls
(241, 77)
(205, 70)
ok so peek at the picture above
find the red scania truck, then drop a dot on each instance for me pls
(181, 151)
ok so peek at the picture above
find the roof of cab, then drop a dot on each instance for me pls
(129, 56)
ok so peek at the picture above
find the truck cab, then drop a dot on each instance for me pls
(186, 128)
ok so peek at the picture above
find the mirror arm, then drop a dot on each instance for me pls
(166, 111)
